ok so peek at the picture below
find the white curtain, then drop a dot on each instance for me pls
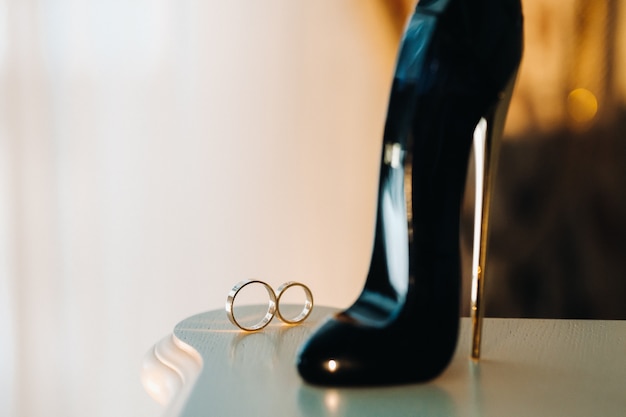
(152, 154)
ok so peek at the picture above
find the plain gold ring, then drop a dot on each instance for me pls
(271, 306)
(308, 303)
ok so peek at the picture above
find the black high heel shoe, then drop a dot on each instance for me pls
(456, 67)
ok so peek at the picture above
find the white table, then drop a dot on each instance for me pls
(529, 368)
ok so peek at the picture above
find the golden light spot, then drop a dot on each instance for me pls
(332, 365)
(332, 401)
(582, 105)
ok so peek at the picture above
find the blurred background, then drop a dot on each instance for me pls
(558, 242)
(153, 153)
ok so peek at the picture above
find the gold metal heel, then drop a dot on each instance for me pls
(487, 138)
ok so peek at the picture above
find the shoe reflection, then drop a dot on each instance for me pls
(413, 400)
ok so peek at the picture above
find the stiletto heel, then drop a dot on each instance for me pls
(456, 59)
(487, 137)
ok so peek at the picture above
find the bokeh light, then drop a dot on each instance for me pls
(582, 105)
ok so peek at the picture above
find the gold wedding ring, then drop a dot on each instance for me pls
(308, 304)
(273, 306)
